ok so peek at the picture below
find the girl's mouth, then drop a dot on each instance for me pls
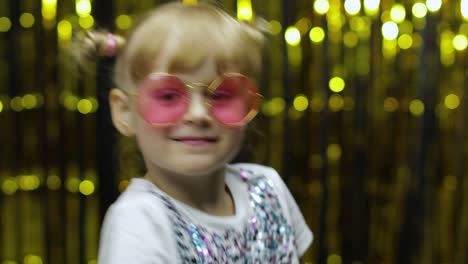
(196, 141)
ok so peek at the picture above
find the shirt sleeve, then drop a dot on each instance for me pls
(131, 234)
(303, 234)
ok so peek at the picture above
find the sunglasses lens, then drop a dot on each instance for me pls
(162, 100)
(235, 100)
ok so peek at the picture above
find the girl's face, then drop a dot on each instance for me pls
(197, 143)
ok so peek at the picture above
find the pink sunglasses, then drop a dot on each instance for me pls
(163, 99)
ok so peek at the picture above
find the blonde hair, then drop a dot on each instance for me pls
(180, 36)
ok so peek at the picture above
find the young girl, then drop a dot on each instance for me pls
(186, 94)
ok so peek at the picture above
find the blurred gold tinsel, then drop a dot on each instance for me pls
(364, 116)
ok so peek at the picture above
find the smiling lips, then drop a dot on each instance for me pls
(196, 141)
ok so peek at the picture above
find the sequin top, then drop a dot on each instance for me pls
(264, 229)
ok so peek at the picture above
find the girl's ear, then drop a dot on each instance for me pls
(121, 112)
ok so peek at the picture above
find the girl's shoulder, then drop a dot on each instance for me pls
(254, 172)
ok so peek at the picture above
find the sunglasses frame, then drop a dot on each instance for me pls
(210, 88)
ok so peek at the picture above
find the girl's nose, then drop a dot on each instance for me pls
(198, 111)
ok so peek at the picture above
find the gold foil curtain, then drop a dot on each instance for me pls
(363, 115)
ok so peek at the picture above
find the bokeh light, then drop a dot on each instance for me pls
(433, 5)
(398, 13)
(336, 84)
(321, 6)
(352, 7)
(405, 41)
(464, 9)
(416, 107)
(83, 8)
(301, 103)
(275, 27)
(244, 10)
(390, 30)
(460, 42)
(123, 22)
(317, 34)
(5, 24)
(27, 20)
(86, 187)
(292, 36)
(371, 7)
(419, 10)
(64, 30)
(452, 101)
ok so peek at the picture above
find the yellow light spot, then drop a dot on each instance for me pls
(86, 187)
(27, 20)
(333, 152)
(464, 29)
(317, 104)
(371, 7)
(452, 101)
(352, 7)
(460, 42)
(86, 22)
(123, 22)
(9, 186)
(464, 9)
(16, 104)
(1, 106)
(93, 261)
(336, 84)
(406, 27)
(419, 10)
(405, 41)
(273, 107)
(188, 2)
(275, 27)
(433, 5)
(5, 24)
(416, 107)
(83, 8)
(348, 103)
(244, 10)
(64, 30)
(29, 182)
(32, 259)
(316, 34)
(301, 103)
(29, 101)
(70, 102)
(350, 39)
(321, 7)
(303, 25)
(450, 183)
(398, 13)
(9, 262)
(84, 106)
(391, 104)
(72, 184)
(335, 103)
(123, 185)
(277, 105)
(53, 182)
(49, 9)
(390, 30)
(94, 104)
(292, 36)
(334, 259)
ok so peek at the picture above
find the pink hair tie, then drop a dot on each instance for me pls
(111, 45)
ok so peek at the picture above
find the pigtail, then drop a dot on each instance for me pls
(90, 46)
